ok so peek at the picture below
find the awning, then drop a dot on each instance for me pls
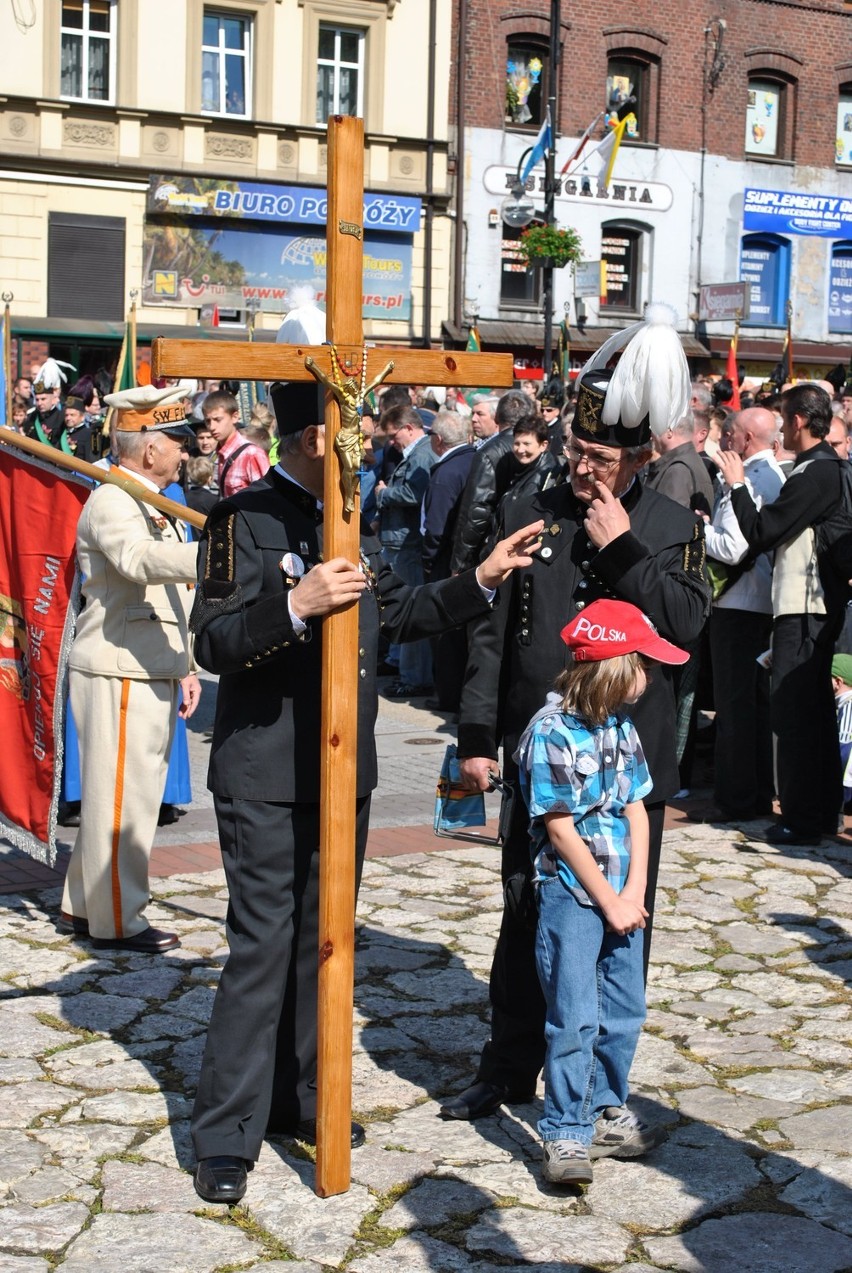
(755, 349)
(497, 335)
(100, 331)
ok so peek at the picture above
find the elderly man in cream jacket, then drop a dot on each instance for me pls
(130, 657)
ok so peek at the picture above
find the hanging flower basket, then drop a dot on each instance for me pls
(538, 243)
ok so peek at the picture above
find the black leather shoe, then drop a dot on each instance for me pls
(481, 1099)
(72, 924)
(306, 1131)
(788, 835)
(149, 942)
(221, 1179)
(68, 815)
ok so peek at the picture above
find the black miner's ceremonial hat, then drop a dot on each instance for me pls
(648, 392)
(297, 404)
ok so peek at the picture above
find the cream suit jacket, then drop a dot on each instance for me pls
(136, 571)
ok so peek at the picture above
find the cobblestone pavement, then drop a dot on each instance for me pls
(746, 1058)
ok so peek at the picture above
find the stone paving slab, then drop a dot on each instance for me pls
(745, 1059)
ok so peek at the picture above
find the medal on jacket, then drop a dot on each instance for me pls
(292, 565)
(366, 570)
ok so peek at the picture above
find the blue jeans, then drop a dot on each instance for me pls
(595, 999)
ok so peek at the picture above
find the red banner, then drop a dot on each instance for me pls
(39, 510)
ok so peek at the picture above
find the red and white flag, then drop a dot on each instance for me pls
(39, 594)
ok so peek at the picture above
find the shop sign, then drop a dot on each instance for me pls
(760, 270)
(723, 302)
(188, 196)
(840, 293)
(191, 266)
(652, 196)
(797, 212)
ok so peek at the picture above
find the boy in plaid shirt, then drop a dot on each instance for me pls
(583, 775)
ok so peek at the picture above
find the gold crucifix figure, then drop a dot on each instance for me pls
(349, 393)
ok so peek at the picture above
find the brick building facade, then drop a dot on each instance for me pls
(733, 96)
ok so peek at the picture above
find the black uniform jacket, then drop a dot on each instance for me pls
(266, 737)
(657, 565)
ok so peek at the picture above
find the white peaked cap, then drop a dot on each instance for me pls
(143, 397)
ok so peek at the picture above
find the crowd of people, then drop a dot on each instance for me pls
(512, 544)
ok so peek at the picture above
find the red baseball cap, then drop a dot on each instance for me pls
(607, 628)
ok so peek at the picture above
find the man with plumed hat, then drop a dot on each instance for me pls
(46, 421)
(605, 535)
(129, 659)
(263, 589)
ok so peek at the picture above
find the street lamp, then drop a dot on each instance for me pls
(518, 208)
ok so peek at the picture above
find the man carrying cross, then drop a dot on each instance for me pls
(263, 588)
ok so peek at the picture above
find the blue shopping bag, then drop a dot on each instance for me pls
(457, 809)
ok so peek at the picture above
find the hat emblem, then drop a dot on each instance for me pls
(587, 409)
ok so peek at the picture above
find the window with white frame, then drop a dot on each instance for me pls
(226, 64)
(340, 71)
(88, 43)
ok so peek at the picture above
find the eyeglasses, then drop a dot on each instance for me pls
(594, 463)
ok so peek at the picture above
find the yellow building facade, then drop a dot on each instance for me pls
(175, 151)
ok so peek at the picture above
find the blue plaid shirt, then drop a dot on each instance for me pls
(592, 773)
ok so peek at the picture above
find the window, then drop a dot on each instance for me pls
(353, 67)
(520, 285)
(340, 72)
(621, 252)
(764, 122)
(626, 79)
(843, 142)
(226, 64)
(526, 83)
(87, 35)
(840, 289)
(765, 265)
(85, 266)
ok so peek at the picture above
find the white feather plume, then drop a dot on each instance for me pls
(51, 375)
(651, 377)
(304, 322)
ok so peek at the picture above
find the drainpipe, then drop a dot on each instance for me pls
(461, 108)
(550, 186)
(429, 228)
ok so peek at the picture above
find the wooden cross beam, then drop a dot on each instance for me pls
(236, 361)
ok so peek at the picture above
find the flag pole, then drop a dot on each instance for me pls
(131, 353)
(7, 353)
(115, 476)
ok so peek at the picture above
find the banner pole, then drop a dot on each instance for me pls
(114, 476)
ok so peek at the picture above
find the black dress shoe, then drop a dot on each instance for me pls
(481, 1099)
(68, 815)
(149, 942)
(72, 924)
(306, 1131)
(788, 835)
(221, 1179)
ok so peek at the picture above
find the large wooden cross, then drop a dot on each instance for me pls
(239, 361)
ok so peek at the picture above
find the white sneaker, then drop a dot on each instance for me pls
(620, 1134)
(566, 1162)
